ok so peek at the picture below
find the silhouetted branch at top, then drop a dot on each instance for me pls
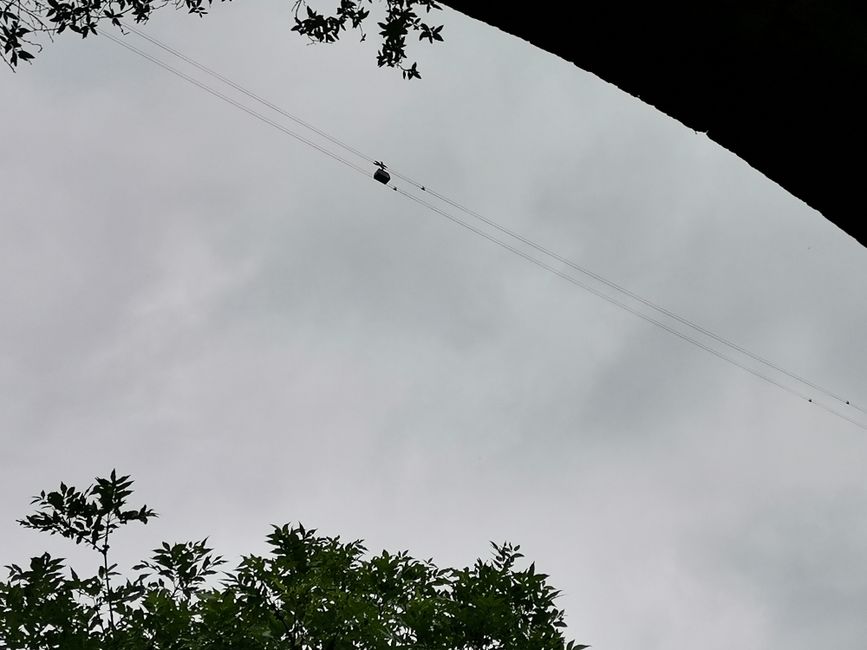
(25, 24)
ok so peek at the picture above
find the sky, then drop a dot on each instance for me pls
(259, 335)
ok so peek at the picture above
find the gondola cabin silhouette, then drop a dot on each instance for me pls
(380, 174)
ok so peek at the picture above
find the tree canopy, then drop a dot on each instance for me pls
(23, 23)
(311, 592)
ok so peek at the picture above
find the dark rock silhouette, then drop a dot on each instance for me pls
(780, 84)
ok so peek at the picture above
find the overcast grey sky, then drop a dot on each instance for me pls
(259, 335)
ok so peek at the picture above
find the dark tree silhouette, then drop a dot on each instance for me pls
(311, 592)
(23, 22)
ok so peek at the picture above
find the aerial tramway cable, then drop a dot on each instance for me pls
(382, 176)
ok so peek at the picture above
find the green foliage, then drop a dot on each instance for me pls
(310, 592)
(22, 21)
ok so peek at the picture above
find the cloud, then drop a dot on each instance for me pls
(259, 336)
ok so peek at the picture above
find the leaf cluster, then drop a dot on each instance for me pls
(309, 592)
(23, 21)
(402, 19)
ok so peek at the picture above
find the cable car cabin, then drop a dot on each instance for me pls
(382, 176)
